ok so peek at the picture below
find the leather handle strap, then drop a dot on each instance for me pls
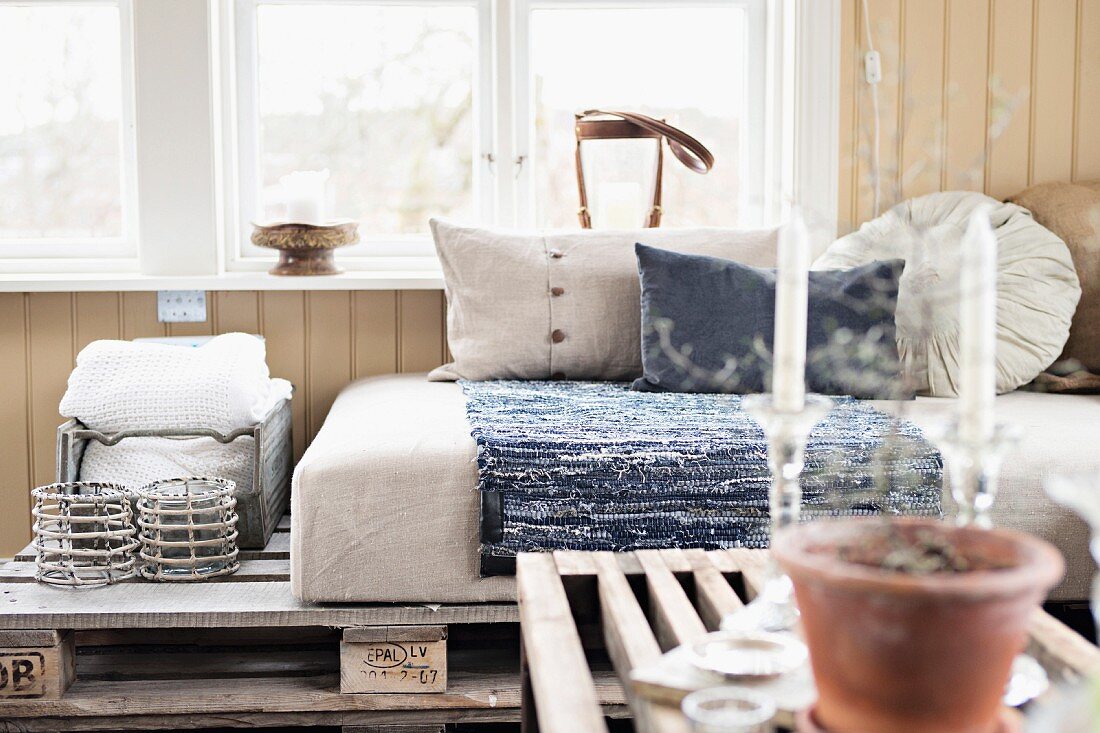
(689, 151)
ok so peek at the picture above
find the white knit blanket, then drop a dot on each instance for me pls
(123, 385)
(135, 462)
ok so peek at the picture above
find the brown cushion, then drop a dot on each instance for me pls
(1072, 211)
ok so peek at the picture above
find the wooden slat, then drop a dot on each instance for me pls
(922, 65)
(15, 438)
(30, 637)
(211, 605)
(967, 79)
(97, 316)
(1010, 109)
(189, 664)
(51, 360)
(237, 310)
(1052, 89)
(1087, 133)
(1061, 650)
(375, 332)
(329, 346)
(753, 566)
(421, 330)
(675, 560)
(886, 20)
(851, 51)
(252, 571)
(139, 316)
(574, 563)
(675, 621)
(714, 596)
(553, 649)
(284, 524)
(283, 324)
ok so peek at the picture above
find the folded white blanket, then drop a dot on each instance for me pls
(122, 385)
(135, 462)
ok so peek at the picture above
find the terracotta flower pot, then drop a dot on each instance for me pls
(897, 652)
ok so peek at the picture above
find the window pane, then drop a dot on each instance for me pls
(60, 111)
(660, 61)
(381, 96)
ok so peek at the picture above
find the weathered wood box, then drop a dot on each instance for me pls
(260, 506)
(393, 659)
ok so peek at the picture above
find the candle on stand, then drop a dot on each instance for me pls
(619, 205)
(304, 194)
(791, 303)
(977, 330)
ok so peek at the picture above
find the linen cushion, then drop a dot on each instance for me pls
(708, 323)
(1072, 212)
(543, 305)
(1037, 288)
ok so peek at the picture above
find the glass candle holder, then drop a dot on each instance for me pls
(187, 529)
(83, 534)
(729, 710)
(974, 468)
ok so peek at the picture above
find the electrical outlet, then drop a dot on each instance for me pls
(181, 306)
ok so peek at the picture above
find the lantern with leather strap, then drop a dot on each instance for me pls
(618, 171)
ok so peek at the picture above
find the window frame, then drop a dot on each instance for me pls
(79, 254)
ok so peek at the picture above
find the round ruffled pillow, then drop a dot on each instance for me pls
(1037, 286)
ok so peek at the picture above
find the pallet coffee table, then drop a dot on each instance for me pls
(576, 606)
(240, 651)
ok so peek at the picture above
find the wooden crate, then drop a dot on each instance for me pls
(393, 659)
(35, 664)
(641, 605)
(241, 651)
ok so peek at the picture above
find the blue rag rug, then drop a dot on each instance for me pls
(596, 466)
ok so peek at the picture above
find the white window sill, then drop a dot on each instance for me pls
(427, 278)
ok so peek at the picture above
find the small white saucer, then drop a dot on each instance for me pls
(754, 654)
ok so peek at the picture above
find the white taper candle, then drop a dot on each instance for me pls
(791, 303)
(977, 329)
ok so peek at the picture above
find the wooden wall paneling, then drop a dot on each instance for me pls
(922, 88)
(96, 316)
(374, 332)
(51, 359)
(1086, 160)
(1010, 103)
(421, 330)
(283, 325)
(1053, 89)
(966, 103)
(236, 310)
(328, 352)
(15, 434)
(886, 22)
(852, 48)
(139, 316)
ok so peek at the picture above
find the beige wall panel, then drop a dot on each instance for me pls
(1053, 88)
(374, 332)
(421, 328)
(139, 316)
(283, 324)
(15, 434)
(966, 91)
(1010, 103)
(328, 352)
(922, 95)
(1087, 137)
(852, 48)
(51, 360)
(886, 21)
(96, 316)
(236, 310)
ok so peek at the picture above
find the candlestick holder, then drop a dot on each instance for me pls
(786, 432)
(305, 249)
(974, 467)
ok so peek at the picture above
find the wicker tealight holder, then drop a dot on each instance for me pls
(83, 534)
(305, 249)
(188, 529)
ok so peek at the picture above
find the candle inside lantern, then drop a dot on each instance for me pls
(304, 194)
(791, 303)
(620, 205)
(977, 330)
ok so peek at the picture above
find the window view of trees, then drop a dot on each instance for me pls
(381, 96)
(60, 112)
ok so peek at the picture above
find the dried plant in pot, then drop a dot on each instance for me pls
(913, 624)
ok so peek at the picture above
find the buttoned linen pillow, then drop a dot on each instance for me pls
(1037, 286)
(562, 304)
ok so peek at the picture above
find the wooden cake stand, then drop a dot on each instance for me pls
(305, 249)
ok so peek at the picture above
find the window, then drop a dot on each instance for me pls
(66, 143)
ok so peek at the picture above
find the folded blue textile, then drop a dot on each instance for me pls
(597, 466)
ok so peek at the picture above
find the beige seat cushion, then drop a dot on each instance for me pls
(1037, 287)
(385, 504)
(559, 304)
(1072, 211)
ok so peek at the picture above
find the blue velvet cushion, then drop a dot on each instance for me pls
(707, 326)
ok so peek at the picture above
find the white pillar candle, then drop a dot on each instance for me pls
(619, 206)
(791, 303)
(304, 194)
(977, 329)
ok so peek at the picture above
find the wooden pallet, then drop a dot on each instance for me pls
(241, 651)
(641, 605)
